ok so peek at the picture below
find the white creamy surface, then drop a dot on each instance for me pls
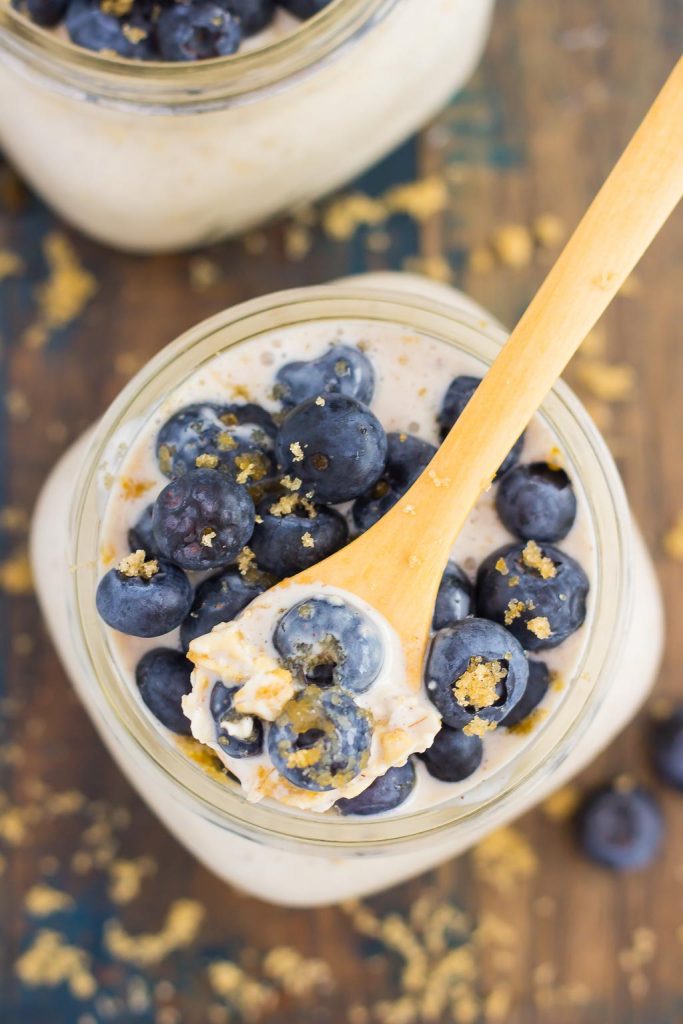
(412, 374)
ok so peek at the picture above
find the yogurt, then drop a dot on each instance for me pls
(413, 370)
(146, 158)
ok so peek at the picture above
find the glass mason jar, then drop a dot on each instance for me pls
(293, 857)
(157, 156)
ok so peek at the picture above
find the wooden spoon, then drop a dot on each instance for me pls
(397, 565)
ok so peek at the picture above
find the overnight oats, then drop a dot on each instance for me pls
(163, 126)
(271, 726)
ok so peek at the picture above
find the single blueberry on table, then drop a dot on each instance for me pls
(286, 542)
(219, 599)
(144, 607)
(238, 735)
(236, 439)
(454, 600)
(666, 747)
(197, 31)
(537, 502)
(321, 741)
(335, 445)
(385, 794)
(163, 679)
(141, 534)
(536, 689)
(202, 520)
(341, 370)
(458, 395)
(407, 457)
(538, 593)
(253, 15)
(328, 642)
(620, 827)
(475, 669)
(89, 26)
(304, 9)
(453, 756)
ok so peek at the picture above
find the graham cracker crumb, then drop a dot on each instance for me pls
(531, 722)
(673, 540)
(320, 401)
(285, 505)
(298, 241)
(13, 519)
(204, 273)
(504, 859)
(297, 451)
(477, 686)
(513, 245)
(65, 293)
(479, 727)
(533, 558)
(502, 567)
(206, 461)
(50, 961)
(126, 878)
(131, 490)
(11, 264)
(17, 405)
(409, 510)
(307, 540)
(436, 268)
(561, 805)
(42, 901)
(133, 32)
(291, 483)
(513, 611)
(481, 260)
(15, 575)
(550, 230)
(420, 199)
(540, 627)
(179, 930)
(249, 998)
(513, 581)
(297, 975)
(135, 565)
(246, 561)
(438, 481)
(343, 216)
(208, 537)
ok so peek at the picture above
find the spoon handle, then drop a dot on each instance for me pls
(628, 211)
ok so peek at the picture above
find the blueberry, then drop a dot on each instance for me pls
(537, 502)
(341, 370)
(536, 689)
(540, 609)
(458, 395)
(304, 9)
(144, 607)
(202, 520)
(236, 439)
(620, 827)
(285, 542)
(666, 747)
(163, 679)
(335, 445)
(253, 15)
(455, 597)
(407, 456)
(141, 535)
(453, 756)
(89, 26)
(46, 12)
(384, 794)
(197, 31)
(329, 642)
(238, 735)
(321, 741)
(475, 669)
(218, 599)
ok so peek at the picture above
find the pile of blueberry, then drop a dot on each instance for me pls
(168, 30)
(254, 498)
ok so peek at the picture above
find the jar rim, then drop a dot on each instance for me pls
(192, 87)
(147, 747)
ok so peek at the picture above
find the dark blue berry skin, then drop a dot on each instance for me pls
(328, 642)
(537, 502)
(455, 598)
(253, 15)
(141, 535)
(224, 714)
(277, 540)
(90, 27)
(197, 31)
(561, 599)
(196, 505)
(218, 599)
(304, 9)
(329, 722)
(163, 679)
(384, 794)
(229, 432)
(666, 747)
(407, 457)
(453, 756)
(343, 444)
(341, 370)
(458, 395)
(620, 828)
(536, 689)
(46, 12)
(449, 658)
(141, 607)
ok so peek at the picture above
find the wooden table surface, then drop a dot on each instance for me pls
(545, 939)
